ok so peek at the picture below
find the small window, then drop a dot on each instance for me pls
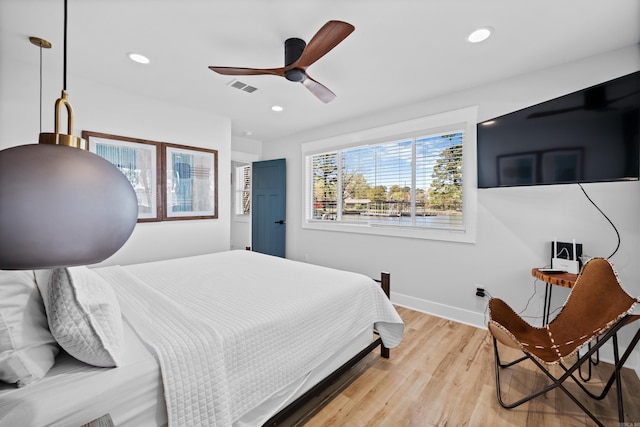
(243, 190)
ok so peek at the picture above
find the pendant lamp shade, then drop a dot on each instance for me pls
(61, 206)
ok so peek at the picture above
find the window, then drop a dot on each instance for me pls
(243, 190)
(406, 180)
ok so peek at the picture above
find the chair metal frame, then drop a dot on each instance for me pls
(557, 382)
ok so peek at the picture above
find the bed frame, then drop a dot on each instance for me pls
(385, 283)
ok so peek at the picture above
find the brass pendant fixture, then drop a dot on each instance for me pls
(58, 138)
(60, 204)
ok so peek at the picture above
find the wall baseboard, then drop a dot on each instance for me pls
(478, 320)
(448, 312)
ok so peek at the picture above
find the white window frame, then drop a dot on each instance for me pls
(239, 190)
(464, 118)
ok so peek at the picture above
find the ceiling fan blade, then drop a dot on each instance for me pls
(328, 37)
(323, 93)
(238, 71)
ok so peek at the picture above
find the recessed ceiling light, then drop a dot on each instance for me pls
(141, 59)
(247, 133)
(481, 34)
(277, 108)
(488, 123)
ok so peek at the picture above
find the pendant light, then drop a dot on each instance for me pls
(61, 205)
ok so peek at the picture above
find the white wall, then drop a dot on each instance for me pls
(106, 109)
(514, 225)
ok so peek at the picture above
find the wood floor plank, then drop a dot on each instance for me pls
(442, 374)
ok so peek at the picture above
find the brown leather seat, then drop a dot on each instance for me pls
(597, 307)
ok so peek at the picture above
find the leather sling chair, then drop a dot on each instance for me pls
(597, 307)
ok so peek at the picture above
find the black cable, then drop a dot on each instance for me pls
(535, 290)
(603, 214)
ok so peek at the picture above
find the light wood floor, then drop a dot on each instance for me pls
(442, 374)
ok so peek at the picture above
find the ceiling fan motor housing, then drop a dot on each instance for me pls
(293, 49)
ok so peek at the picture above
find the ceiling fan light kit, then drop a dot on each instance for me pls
(61, 205)
(298, 56)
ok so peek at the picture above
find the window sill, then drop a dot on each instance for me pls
(461, 236)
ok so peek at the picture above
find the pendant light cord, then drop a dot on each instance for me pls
(42, 44)
(64, 68)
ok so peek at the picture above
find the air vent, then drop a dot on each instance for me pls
(242, 86)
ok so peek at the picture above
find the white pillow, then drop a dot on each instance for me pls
(27, 349)
(84, 315)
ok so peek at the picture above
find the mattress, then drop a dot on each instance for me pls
(74, 393)
(289, 393)
(242, 323)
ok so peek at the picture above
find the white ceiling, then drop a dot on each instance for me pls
(401, 52)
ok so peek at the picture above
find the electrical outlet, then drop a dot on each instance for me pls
(480, 291)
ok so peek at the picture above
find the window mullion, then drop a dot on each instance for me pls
(339, 190)
(413, 181)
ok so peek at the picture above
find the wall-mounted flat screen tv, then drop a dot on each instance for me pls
(591, 135)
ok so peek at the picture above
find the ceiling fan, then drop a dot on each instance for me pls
(298, 56)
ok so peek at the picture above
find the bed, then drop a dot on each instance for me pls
(232, 338)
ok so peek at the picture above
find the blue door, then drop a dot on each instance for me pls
(268, 207)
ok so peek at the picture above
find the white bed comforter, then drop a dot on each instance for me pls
(229, 329)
